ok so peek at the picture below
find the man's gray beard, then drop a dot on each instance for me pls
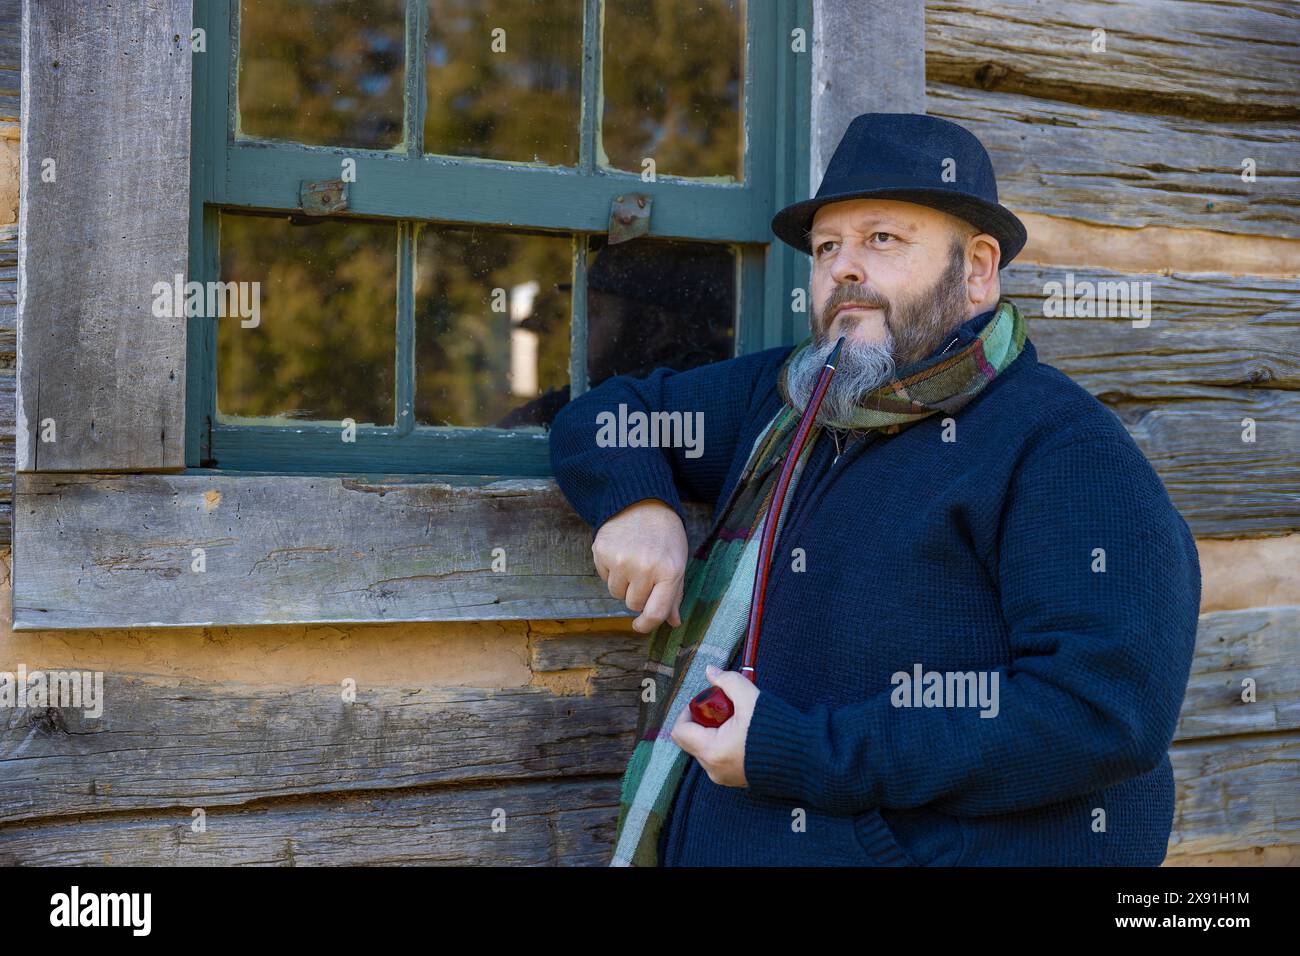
(859, 370)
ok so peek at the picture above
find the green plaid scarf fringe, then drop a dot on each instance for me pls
(720, 574)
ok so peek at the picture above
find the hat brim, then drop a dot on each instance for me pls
(791, 224)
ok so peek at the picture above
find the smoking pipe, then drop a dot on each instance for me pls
(711, 707)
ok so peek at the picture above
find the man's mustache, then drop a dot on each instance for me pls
(842, 294)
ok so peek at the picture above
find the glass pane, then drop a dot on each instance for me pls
(491, 327)
(658, 302)
(504, 79)
(324, 338)
(325, 72)
(673, 78)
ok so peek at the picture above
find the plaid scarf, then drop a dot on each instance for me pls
(720, 574)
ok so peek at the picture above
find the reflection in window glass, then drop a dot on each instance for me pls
(658, 302)
(504, 79)
(324, 341)
(324, 72)
(673, 78)
(491, 327)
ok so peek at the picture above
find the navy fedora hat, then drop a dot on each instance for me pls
(904, 156)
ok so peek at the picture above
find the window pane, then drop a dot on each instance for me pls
(658, 302)
(504, 79)
(491, 327)
(673, 77)
(325, 72)
(325, 336)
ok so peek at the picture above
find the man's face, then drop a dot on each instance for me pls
(885, 269)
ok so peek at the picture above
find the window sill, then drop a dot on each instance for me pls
(219, 548)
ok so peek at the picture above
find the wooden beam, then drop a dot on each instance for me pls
(1132, 169)
(1236, 793)
(546, 823)
(1224, 485)
(119, 551)
(1208, 336)
(104, 217)
(169, 742)
(867, 58)
(8, 381)
(1218, 61)
(1261, 645)
(291, 774)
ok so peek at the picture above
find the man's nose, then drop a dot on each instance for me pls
(847, 266)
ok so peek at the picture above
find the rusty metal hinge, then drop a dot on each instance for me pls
(321, 197)
(629, 217)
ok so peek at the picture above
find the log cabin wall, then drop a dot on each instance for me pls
(235, 745)
(1125, 162)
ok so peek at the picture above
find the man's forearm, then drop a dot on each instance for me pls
(600, 479)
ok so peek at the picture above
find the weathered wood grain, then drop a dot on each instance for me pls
(1216, 60)
(1224, 486)
(118, 551)
(1207, 334)
(1262, 644)
(107, 98)
(11, 18)
(167, 742)
(867, 58)
(1132, 169)
(8, 368)
(547, 823)
(1232, 795)
(1235, 793)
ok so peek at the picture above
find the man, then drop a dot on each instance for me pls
(981, 610)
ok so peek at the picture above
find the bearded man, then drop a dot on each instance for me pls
(982, 605)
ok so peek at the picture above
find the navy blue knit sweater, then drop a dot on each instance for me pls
(1029, 542)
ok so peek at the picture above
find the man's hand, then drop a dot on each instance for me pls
(640, 553)
(721, 750)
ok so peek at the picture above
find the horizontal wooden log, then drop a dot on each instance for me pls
(1232, 795)
(117, 551)
(1261, 645)
(1204, 334)
(548, 823)
(1223, 485)
(1236, 793)
(165, 742)
(1215, 60)
(1133, 169)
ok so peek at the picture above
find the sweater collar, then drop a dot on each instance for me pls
(962, 336)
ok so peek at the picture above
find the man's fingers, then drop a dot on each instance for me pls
(690, 736)
(656, 608)
(617, 583)
(676, 619)
(639, 591)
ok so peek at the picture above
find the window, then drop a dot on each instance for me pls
(417, 195)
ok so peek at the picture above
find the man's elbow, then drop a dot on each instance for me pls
(1143, 740)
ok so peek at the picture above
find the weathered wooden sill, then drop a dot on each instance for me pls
(174, 550)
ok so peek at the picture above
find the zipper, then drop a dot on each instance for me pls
(810, 486)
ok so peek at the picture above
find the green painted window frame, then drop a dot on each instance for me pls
(265, 175)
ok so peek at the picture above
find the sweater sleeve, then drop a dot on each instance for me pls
(601, 481)
(1099, 661)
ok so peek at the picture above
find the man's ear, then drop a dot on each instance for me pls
(982, 257)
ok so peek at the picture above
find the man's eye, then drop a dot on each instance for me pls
(887, 235)
(821, 248)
